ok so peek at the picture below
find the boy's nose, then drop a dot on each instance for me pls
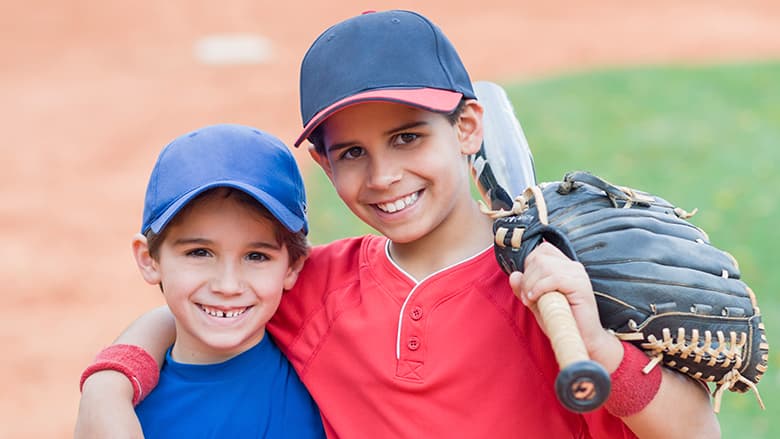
(227, 280)
(383, 173)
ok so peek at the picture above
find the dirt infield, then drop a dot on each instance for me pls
(92, 90)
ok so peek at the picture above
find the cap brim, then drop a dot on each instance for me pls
(432, 99)
(288, 219)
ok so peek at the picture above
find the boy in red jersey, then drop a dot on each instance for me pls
(417, 333)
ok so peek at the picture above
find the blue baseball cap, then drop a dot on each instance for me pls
(392, 56)
(226, 155)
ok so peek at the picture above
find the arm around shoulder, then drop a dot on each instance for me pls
(106, 408)
(122, 375)
(154, 332)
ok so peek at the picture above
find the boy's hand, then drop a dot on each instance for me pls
(548, 269)
(106, 408)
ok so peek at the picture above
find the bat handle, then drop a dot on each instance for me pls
(582, 384)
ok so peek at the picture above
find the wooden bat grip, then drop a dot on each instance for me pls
(562, 329)
(582, 384)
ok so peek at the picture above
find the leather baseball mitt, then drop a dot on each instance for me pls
(658, 281)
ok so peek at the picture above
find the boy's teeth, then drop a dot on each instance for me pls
(219, 313)
(400, 204)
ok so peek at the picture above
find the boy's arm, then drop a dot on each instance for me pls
(106, 406)
(673, 406)
(680, 409)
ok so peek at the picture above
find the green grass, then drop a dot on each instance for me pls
(701, 137)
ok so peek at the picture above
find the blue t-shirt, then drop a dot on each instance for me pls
(256, 394)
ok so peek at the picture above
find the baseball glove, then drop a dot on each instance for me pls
(658, 281)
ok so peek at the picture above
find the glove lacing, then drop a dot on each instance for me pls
(730, 352)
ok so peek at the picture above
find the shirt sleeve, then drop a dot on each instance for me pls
(301, 322)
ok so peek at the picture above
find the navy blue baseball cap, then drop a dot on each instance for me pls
(392, 56)
(226, 155)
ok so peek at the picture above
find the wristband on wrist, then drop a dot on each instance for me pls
(132, 361)
(632, 388)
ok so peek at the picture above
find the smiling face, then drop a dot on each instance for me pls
(401, 170)
(223, 271)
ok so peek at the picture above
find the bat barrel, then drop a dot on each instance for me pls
(505, 147)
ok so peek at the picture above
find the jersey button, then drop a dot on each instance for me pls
(416, 313)
(413, 344)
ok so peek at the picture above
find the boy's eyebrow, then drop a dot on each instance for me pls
(404, 127)
(207, 242)
(189, 241)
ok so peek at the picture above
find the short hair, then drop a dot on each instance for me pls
(316, 136)
(296, 243)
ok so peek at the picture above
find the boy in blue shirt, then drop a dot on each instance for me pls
(224, 234)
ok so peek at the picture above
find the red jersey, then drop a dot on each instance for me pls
(455, 355)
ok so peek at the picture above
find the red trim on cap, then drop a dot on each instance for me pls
(432, 99)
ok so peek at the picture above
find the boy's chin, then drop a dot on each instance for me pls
(210, 346)
(402, 236)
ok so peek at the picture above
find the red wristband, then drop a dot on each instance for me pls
(134, 362)
(632, 389)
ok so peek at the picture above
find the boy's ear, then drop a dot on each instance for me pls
(149, 268)
(469, 127)
(292, 273)
(322, 160)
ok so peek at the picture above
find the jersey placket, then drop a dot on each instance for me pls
(411, 346)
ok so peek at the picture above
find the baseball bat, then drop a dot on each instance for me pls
(503, 169)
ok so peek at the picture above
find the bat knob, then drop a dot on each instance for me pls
(583, 386)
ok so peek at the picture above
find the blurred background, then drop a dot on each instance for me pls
(677, 98)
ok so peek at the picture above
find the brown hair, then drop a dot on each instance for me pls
(316, 136)
(296, 242)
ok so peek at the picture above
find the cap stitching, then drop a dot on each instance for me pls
(437, 47)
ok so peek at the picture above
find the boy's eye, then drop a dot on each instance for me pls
(199, 252)
(352, 153)
(406, 138)
(257, 256)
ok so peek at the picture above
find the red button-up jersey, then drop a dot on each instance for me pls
(455, 355)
